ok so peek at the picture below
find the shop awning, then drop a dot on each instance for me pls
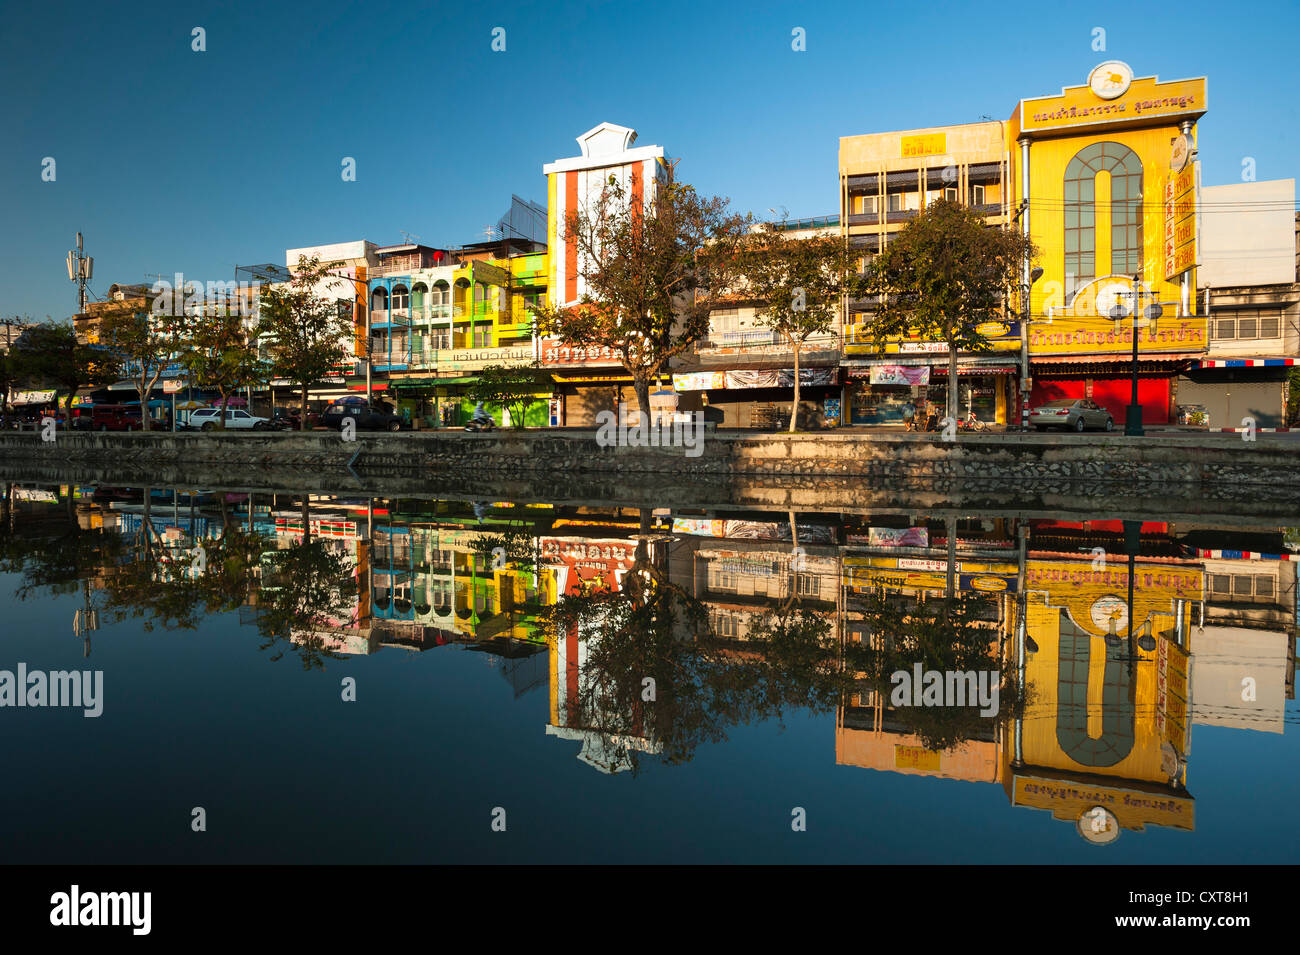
(1243, 362)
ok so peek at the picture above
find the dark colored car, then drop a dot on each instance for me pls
(376, 417)
(107, 418)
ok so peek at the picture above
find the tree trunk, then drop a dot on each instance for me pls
(952, 382)
(224, 405)
(794, 408)
(642, 388)
(144, 405)
(302, 417)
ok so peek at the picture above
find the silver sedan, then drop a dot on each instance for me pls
(1073, 414)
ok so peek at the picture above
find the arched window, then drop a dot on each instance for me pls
(419, 294)
(1124, 169)
(379, 301)
(441, 293)
(401, 297)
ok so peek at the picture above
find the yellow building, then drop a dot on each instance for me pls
(1103, 176)
(885, 180)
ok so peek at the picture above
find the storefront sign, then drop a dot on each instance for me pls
(900, 375)
(1085, 328)
(1069, 799)
(1181, 226)
(557, 353)
(475, 359)
(926, 144)
(1120, 101)
(698, 381)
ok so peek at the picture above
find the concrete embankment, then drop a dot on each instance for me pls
(1175, 475)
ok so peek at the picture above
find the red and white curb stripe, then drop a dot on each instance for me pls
(1244, 555)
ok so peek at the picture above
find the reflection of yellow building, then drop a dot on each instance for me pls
(867, 732)
(1107, 725)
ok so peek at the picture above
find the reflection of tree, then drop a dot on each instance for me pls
(173, 585)
(305, 588)
(948, 634)
(652, 629)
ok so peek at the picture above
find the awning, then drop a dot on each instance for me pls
(1243, 362)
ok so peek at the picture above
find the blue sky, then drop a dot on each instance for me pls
(172, 160)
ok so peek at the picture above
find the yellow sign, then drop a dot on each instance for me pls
(914, 757)
(1145, 102)
(1068, 799)
(1180, 221)
(927, 144)
(1085, 327)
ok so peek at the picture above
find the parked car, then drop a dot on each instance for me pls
(1074, 414)
(376, 417)
(209, 419)
(107, 418)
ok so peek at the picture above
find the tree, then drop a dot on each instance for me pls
(945, 274)
(517, 387)
(308, 334)
(218, 356)
(798, 284)
(653, 273)
(51, 355)
(145, 342)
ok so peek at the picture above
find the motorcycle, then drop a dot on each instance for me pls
(481, 425)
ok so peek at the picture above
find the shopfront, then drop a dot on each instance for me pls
(882, 394)
(761, 397)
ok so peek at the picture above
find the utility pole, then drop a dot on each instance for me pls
(81, 269)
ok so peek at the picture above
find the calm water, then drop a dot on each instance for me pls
(408, 677)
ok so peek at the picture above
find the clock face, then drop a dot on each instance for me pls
(1112, 294)
(1179, 153)
(1110, 609)
(1110, 80)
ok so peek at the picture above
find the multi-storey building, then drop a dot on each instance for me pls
(590, 380)
(1250, 248)
(886, 179)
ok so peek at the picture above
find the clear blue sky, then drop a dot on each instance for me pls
(171, 160)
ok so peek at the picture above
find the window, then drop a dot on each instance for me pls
(1244, 588)
(895, 201)
(977, 195)
(1124, 169)
(868, 205)
(807, 585)
(720, 579)
(724, 625)
(950, 193)
(1247, 324)
(401, 297)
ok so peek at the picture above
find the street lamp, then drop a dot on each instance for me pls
(1133, 417)
(1033, 276)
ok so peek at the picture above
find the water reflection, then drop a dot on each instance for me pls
(1052, 658)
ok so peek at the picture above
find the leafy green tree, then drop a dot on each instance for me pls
(798, 285)
(50, 355)
(653, 272)
(218, 356)
(145, 341)
(308, 336)
(517, 387)
(943, 276)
